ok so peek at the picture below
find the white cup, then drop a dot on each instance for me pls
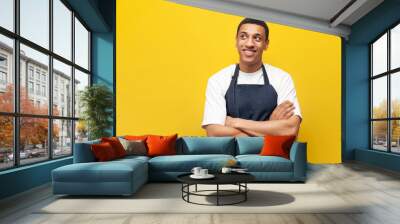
(203, 172)
(226, 170)
(196, 171)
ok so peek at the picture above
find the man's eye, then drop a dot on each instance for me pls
(243, 36)
(258, 38)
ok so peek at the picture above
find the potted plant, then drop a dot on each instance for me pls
(96, 102)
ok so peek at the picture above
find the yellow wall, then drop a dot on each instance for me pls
(166, 52)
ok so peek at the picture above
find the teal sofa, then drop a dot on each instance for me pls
(125, 176)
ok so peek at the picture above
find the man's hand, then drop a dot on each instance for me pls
(283, 111)
(231, 122)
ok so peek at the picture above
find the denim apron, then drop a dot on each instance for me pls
(251, 102)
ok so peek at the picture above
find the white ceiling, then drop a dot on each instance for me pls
(320, 9)
(327, 16)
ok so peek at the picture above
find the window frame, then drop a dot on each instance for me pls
(16, 114)
(388, 74)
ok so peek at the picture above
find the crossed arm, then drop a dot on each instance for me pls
(282, 122)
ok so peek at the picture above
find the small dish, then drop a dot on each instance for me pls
(208, 176)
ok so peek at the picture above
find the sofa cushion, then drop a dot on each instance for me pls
(185, 163)
(249, 145)
(134, 147)
(161, 145)
(206, 145)
(96, 172)
(131, 158)
(277, 146)
(116, 145)
(83, 152)
(103, 152)
(257, 163)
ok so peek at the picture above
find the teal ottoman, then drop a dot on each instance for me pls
(118, 177)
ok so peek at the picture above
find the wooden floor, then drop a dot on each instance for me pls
(377, 188)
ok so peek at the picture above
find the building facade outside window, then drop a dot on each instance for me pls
(52, 134)
(385, 91)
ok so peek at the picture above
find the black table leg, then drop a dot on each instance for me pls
(217, 194)
(182, 190)
(188, 190)
(245, 193)
(196, 188)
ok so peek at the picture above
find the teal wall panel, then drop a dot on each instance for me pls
(356, 125)
(103, 63)
(24, 178)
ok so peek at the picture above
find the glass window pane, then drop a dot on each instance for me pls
(81, 131)
(395, 94)
(81, 45)
(62, 89)
(62, 29)
(379, 97)
(395, 136)
(33, 140)
(6, 74)
(379, 55)
(7, 14)
(6, 142)
(379, 135)
(395, 47)
(34, 77)
(62, 138)
(81, 81)
(35, 21)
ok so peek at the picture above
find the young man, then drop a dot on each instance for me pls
(251, 98)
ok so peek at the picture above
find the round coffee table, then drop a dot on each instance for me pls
(238, 179)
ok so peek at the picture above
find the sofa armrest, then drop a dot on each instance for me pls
(83, 152)
(298, 155)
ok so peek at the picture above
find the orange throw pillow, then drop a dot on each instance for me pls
(103, 152)
(161, 145)
(116, 145)
(277, 146)
(132, 137)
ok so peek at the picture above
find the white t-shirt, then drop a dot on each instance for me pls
(218, 84)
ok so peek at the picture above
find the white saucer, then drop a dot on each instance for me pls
(208, 176)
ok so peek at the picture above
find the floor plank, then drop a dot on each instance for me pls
(377, 191)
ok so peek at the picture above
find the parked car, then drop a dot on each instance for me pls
(22, 155)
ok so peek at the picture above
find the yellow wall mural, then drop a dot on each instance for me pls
(166, 52)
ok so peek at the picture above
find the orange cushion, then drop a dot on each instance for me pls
(161, 145)
(132, 137)
(116, 145)
(277, 146)
(103, 151)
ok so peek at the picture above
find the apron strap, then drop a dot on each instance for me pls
(234, 83)
(266, 80)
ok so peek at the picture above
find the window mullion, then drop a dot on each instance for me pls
(371, 140)
(50, 81)
(389, 101)
(73, 82)
(16, 85)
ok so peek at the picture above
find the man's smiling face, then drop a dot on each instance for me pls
(250, 43)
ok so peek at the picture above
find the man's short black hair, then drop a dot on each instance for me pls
(254, 21)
